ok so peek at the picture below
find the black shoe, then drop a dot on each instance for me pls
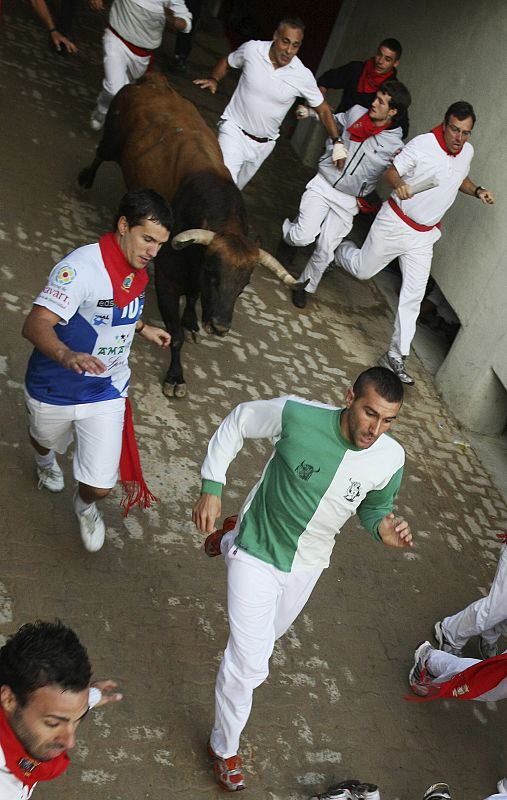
(285, 254)
(299, 298)
(178, 65)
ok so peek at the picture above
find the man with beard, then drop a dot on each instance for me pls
(327, 463)
(45, 692)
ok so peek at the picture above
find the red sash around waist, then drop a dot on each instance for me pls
(415, 225)
(138, 51)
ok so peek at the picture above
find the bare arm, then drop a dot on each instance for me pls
(327, 119)
(58, 39)
(218, 72)
(393, 178)
(175, 23)
(39, 329)
(484, 195)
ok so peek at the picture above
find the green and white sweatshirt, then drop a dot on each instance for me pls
(313, 483)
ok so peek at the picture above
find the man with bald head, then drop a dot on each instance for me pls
(272, 78)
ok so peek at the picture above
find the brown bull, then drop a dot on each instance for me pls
(160, 141)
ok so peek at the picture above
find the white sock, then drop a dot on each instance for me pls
(45, 461)
(80, 505)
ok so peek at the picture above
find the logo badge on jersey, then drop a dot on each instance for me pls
(65, 276)
(100, 319)
(128, 281)
(129, 314)
(353, 491)
(305, 471)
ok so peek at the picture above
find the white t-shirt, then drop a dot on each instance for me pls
(424, 158)
(264, 94)
(142, 22)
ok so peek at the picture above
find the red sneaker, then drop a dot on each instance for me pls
(229, 772)
(212, 542)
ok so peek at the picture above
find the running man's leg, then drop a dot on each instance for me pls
(444, 666)
(415, 270)
(262, 603)
(485, 617)
(386, 240)
(335, 226)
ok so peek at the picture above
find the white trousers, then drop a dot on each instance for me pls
(326, 213)
(390, 238)
(242, 155)
(262, 603)
(486, 617)
(121, 66)
(444, 666)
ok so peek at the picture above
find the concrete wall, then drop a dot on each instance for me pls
(452, 52)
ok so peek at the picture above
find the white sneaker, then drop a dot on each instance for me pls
(92, 528)
(50, 478)
(97, 120)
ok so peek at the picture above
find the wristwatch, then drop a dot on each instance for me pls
(479, 189)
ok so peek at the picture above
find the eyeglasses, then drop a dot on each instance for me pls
(454, 129)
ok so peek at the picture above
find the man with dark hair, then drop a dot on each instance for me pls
(408, 225)
(45, 692)
(271, 80)
(334, 196)
(82, 326)
(327, 463)
(360, 80)
(134, 31)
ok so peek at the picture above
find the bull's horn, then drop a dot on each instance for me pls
(192, 236)
(269, 261)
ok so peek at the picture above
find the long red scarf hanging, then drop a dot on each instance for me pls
(364, 127)
(470, 683)
(21, 764)
(128, 283)
(438, 132)
(369, 80)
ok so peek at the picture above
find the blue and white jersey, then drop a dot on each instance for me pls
(79, 290)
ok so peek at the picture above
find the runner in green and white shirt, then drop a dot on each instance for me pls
(327, 463)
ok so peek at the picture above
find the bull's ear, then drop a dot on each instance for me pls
(192, 236)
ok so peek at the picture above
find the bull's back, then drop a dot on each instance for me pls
(160, 138)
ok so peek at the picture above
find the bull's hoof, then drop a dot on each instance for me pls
(174, 389)
(192, 336)
(168, 389)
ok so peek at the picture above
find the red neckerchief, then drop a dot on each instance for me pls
(363, 128)
(470, 683)
(369, 80)
(128, 283)
(439, 135)
(21, 764)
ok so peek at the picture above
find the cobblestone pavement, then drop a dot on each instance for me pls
(150, 606)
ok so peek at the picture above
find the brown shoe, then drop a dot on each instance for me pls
(213, 541)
